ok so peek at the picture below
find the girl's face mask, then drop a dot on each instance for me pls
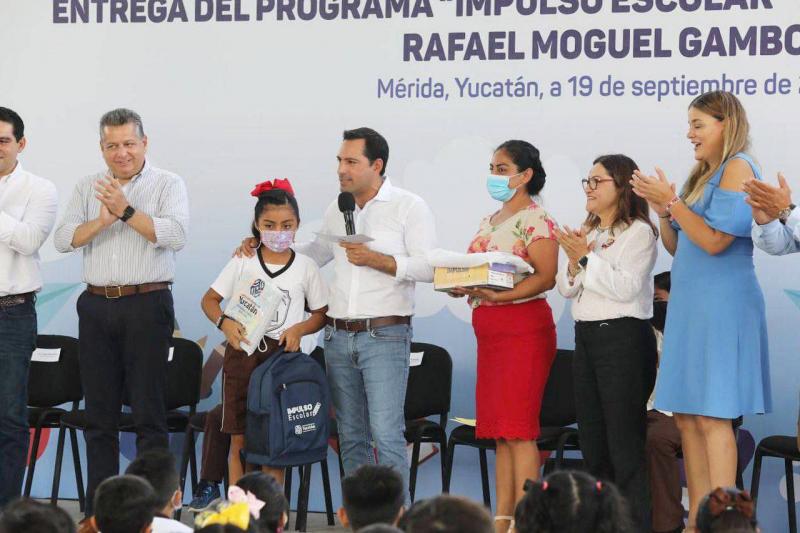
(277, 241)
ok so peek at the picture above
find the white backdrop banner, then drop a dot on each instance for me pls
(234, 91)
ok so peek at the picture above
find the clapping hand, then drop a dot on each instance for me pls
(767, 200)
(574, 244)
(109, 192)
(657, 190)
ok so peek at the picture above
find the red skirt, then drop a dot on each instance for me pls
(516, 347)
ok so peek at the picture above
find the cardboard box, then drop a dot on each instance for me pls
(497, 276)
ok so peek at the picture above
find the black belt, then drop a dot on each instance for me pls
(365, 324)
(118, 291)
(16, 299)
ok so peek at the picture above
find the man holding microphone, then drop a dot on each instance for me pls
(368, 332)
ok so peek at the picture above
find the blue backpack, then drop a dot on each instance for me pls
(288, 406)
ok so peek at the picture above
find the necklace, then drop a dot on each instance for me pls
(609, 239)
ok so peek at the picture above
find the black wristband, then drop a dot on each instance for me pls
(128, 213)
(220, 320)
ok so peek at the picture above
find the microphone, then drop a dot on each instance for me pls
(347, 204)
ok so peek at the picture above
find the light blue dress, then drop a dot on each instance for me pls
(715, 358)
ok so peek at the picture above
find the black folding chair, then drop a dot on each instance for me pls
(558, 411)
(781, 447)
(428, 394)
(51, 384)
(183, 390)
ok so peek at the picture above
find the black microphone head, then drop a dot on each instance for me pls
(347, 202)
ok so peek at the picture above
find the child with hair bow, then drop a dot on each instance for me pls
(727, 509)
(275, 222)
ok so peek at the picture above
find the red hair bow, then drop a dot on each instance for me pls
(277, 184)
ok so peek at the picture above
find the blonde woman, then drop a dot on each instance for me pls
(714, 364)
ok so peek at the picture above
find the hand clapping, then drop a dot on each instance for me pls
(657, 190)
(574, 243)
(110, 194)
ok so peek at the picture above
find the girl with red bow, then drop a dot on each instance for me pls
(275, 222)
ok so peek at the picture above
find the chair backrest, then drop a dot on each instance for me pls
(184, 373)
(558, 403)
(51, 384)
(429, 384)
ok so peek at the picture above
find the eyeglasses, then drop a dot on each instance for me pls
(592, 183)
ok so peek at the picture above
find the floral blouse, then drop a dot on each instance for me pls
(513, 235)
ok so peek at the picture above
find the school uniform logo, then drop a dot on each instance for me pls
(257, 288)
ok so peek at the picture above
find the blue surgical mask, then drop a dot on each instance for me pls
(498, 187)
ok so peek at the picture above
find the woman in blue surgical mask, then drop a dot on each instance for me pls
(514, 328)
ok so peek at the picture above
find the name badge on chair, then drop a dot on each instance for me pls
(46, 355)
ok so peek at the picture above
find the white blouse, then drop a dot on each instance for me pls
(617, 281)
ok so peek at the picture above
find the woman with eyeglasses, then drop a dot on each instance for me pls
(608, 277)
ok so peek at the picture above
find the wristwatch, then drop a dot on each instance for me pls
(583, 261)
(783, 214)
(220, 320)
(128, 213)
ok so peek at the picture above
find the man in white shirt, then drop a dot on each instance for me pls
(368, 332)
(129, 221)
(28, 206)
(776, 221)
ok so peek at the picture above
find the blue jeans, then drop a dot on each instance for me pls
(17, 342)
(368, 372)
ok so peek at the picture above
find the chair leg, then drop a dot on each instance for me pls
(242, 459)
(57, 471)
(193, 464)
(37, 434)
(326, 487)
(739, 476)
(302, 499)
(756, 475)
(188, 442)
(451, 450)
(790, 496)
(339, 458)
(412, 479)
(76, 463)
(487, 499)
(443, 456)
(287, 492)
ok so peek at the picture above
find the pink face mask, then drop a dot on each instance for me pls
(277, 241)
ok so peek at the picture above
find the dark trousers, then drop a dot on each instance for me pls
(663, 445)
(124, 345)
(614, 371)
(17, 342)
(216, 446)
